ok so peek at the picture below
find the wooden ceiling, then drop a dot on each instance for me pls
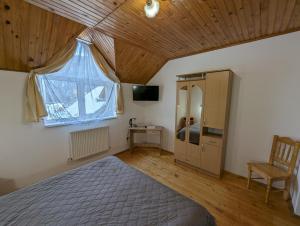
(29, 36)
(133, 60)
(87, 12)
(184, 27)
(125, 58)
(137, 46)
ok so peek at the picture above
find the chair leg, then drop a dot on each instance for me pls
(249, 178)
(286, 192)
(269, 185)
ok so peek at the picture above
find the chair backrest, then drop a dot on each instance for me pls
(284, 153)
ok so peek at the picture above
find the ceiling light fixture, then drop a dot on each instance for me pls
(151, 8)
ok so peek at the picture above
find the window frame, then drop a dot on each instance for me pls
(82, 118)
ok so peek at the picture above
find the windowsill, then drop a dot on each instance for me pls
(80, 122)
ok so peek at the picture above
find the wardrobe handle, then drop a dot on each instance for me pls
(202, 147)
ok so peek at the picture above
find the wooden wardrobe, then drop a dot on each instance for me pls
(202, 114)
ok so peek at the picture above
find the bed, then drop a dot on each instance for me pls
(194, 137)
(105, 192)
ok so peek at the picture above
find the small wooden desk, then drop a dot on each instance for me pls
(145, 129)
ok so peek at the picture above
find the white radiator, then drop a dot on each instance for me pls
(88, 142)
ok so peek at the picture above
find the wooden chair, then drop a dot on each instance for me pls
(280, 167)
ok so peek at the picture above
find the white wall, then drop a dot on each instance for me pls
(29, 152)
(266, 95)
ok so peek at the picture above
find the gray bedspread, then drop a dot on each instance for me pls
(105, 192)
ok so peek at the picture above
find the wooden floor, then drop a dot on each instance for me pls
(226, 199)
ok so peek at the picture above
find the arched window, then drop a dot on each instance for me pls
(79, 92)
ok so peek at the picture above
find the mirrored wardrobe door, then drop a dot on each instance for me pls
(182, 111)
(196, 111)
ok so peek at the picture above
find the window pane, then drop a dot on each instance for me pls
(99, 100)
(95, 99)
(60, 99)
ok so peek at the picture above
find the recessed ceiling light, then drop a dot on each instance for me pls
(151, 8)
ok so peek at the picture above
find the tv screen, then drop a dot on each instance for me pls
(145, 93)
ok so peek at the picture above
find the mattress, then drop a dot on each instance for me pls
(105, 192)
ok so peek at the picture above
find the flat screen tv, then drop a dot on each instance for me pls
(145, 93)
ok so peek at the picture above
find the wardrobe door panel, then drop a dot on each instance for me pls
(196, 89)
(196, 101)
(193, 155)
(216, 94)
(211, 158)
(181, 131)
(180, 150)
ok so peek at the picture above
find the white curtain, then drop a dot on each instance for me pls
(78, 92)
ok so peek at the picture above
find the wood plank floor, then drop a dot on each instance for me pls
(227, 199)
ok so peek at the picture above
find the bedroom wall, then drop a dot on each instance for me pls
(29, 152)
(265, 97)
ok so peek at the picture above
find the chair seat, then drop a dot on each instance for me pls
(267, 170)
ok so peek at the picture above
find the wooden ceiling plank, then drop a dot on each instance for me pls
(85, 10)
(204, 29)
(16, 30)
(53, 34)
(24, 36)
(225, 19)
(234, 17)
(34, 32)
(38, 42)
(46, 38)
(295, 19)
(272, 16)
(201, 31)
(239, 6)
(62, 12)
(106, 46)
(208, 25)
(2, 42)
(9, 40)
(211, 20)
(289, 10)
(255, 7)
(281, 7)
(111, 5)
(264, 16)
(249, 16)
(71, 10)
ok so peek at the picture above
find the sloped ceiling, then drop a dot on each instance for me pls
(132, 63)
(29, 36)
(137, 46)
(104, 43)
(184, 27)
